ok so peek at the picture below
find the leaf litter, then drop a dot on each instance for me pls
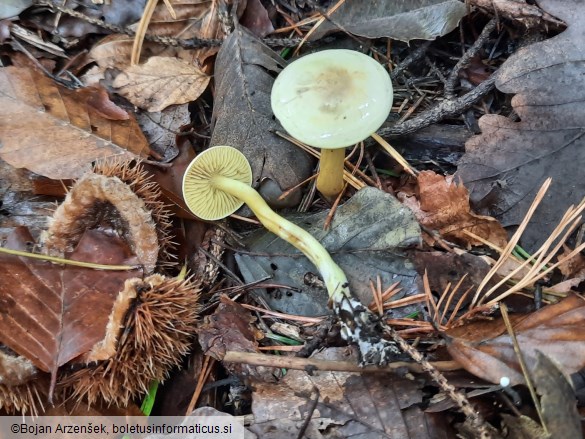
(369, 233)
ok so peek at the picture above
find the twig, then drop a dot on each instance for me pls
(310, 412)
(191, 43)
(441, 111)
(529, 15)
(484, 429)
(466, 58)
(297, 363)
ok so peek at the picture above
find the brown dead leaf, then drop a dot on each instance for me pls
(161, 82)
(47, 129)
(558, 331)
(51, 314)
(349, 405)
(230, 329)
(443, 205)
(256, 19)
(97, 98)
(574, 267)
(504, 167)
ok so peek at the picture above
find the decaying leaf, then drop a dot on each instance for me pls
(230, 328)
(350, 404)
(41, 319)
(443, 205)
(504, 167)
(558, 331)
(367, 238)
(399, 20)
(161, 82)
(47, 129)
(242, 116)
(161, 129)
(557, 398)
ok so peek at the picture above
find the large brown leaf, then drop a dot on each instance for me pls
(52, 314)
(505, 166)
(352, 405)
(242, 116)
(54, 132)
(558, 331)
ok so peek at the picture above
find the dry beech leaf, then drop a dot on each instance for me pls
(51, 314)
(558, 331)
(161, 82)
(443, 205)
(47, 129)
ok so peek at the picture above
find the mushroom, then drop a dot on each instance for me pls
(217, 183)
(330, 100)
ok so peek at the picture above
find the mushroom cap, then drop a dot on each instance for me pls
(204, 200)
(333, 98)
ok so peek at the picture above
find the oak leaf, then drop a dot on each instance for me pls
(49, 130)
(506, 165)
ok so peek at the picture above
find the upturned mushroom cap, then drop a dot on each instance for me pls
(204, 200)
(333, 98)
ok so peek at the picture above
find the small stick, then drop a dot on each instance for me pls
(57, 260)
(466, 58)
(297, 363)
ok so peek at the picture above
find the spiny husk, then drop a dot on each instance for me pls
(158, 331)
(142, 184)
(24, 398)
(118, 196)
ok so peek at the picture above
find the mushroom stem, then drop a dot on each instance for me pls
(330, 179)
(333, 276)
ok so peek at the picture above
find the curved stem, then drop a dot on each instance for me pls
(330, 179)
(333, 276)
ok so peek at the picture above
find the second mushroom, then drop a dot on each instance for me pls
(331, 100)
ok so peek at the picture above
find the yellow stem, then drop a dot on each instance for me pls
(333, 276)
(330, 179)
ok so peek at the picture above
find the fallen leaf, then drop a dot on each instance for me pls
(349, 405)
(255, 18)
(504, 167)
(242, 116)
(574, 267)
(58, 313)
(45, 128)
(367, 238)
(558, 331)
(162, 128)
(399, 20)
(161, 82)
(11, 8)
(230, 328)
(97, 98)
(443, 205)
(557, 398)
